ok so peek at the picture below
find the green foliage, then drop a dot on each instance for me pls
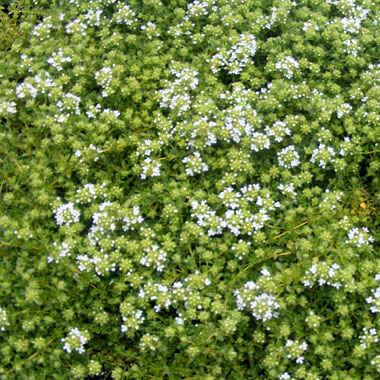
(190, 190)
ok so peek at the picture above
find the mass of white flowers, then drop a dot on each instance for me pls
(178, 176)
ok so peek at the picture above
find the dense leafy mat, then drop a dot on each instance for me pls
(190, 189)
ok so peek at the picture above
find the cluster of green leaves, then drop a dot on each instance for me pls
(190, 190)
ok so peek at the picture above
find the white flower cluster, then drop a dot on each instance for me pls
(150, 168)
(376, 362)
(288, 158)
(239, 117)
(160, 294)
(103, 78)
(97, 150)
(262, 305)
(237, 218)
(352, 22)
(33, 85)
(132, 217)
(144, 148)
(198, 9)
(183, 27)
(108, 216)
(241, 248)
(176, 94)
(150, 29)
(43, 29)
(93, 111)
(236, 58)
(108, 221)
(359, 237)
(3, 319)
(322, 156)
(156, 256)
(267, 202)
(63, 251)
(67, 106)
(93, 16)
(345, 223)
(57, 59)
(278, 130)
(207, 218)
(288, 190)
(343, 109)
(351, 46)
(148, 342)
(132, 319)
(236, 128)
(75, 341)
(294, 350)
(26, 62)
(272, 18)
(331, 199)
(105, 223)
(375, 299)
(185, 297)
(194, 164)
(370, 337)
(307, 25)
(230, 198)
(345, 145)
(76, 27)
(66, 214)
(7, 108)
(284, 376)
(323, 274)
(259, 141)
(89, 193)
(287, 66)
(202, 130)
(101, 263)
(124, 15)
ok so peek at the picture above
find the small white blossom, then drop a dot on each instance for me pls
(66, 214)
(194, 164)
(287, 66)
(7, 108)
(57, 59)
(288, 158)
(75, 341)
(359, 237)
(3, 319)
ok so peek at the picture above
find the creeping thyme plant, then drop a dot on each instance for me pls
(190, 189)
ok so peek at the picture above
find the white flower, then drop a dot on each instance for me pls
(288, 64)
(237, 57)
(75, 340)
(360, 237)
(151, 168)
(288, 158)
(125, 15)
(76, 26)
(195, 165)
(322, 155)
(3, 319)
(7, 108)
(66, 214)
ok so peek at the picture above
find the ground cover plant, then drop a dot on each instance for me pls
(190, 189)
